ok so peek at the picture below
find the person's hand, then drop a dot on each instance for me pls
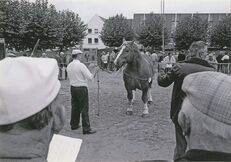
(92, 65)
(97, 69)
(162, 66)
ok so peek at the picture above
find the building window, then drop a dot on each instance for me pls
(89, 31)
(96, 31)
(96, 40)
(89, 41)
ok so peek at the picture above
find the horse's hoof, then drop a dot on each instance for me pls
(150, 102)
(145, 115)
(129, 112)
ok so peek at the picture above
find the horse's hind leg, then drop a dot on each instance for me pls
(130, 97)
(149, 96)
(145, 101)
(149, 91)
(134, 96)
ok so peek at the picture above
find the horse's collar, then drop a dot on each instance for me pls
(134, 77)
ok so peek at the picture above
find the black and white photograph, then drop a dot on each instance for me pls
(115, 80)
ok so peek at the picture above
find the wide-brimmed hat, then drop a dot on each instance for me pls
(210, 93)
(27, 85)
(76, 51)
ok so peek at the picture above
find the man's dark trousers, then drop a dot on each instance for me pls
(181, 143)
(79, 104)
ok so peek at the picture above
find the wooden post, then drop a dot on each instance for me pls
(98, 93)
(98, 98)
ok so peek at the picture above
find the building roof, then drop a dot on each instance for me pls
(103, 18)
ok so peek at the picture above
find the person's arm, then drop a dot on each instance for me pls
(86, 72)
(165, 79)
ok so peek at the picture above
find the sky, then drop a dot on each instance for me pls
(107, 8)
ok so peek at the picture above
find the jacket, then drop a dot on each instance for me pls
(203, 155)
(177, 75)
(20, 144)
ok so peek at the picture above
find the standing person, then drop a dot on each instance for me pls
(219, 61)
(29, 106)
(44, 55)
(104, 59)
(112, 57)
(169, 60)
(155, 58)
(197, 52)
(63, 65)
(211, 59)
(79, 75)
(225, 59)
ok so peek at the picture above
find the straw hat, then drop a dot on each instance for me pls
(76, 51)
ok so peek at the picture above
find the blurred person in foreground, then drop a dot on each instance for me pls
(29, 110)
(205, 117)
(79, 75)
(196, 63)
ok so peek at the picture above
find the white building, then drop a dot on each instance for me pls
(92, 40)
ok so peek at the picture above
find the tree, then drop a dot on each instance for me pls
(116, 29)
(10, 22)
(150, 33)
(72, 29)
(190, 29)
(22, 23)
(221, 33)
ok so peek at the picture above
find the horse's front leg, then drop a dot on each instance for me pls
(145, 101)
(130, 102)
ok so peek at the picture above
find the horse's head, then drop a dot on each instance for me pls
(127, 53)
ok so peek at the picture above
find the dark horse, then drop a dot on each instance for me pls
(138, 73)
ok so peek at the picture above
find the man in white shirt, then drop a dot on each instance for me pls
(79, 75)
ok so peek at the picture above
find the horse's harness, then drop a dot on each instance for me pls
(143, 79)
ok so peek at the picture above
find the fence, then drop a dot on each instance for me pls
(63, 71)
(223, 67)
(220, 67)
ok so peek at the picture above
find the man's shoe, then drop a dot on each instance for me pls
(89, 132)
(76, 127)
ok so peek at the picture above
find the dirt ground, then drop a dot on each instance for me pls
(121, 137)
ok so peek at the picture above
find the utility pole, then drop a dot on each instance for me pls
(230, 22)
(163, 26)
